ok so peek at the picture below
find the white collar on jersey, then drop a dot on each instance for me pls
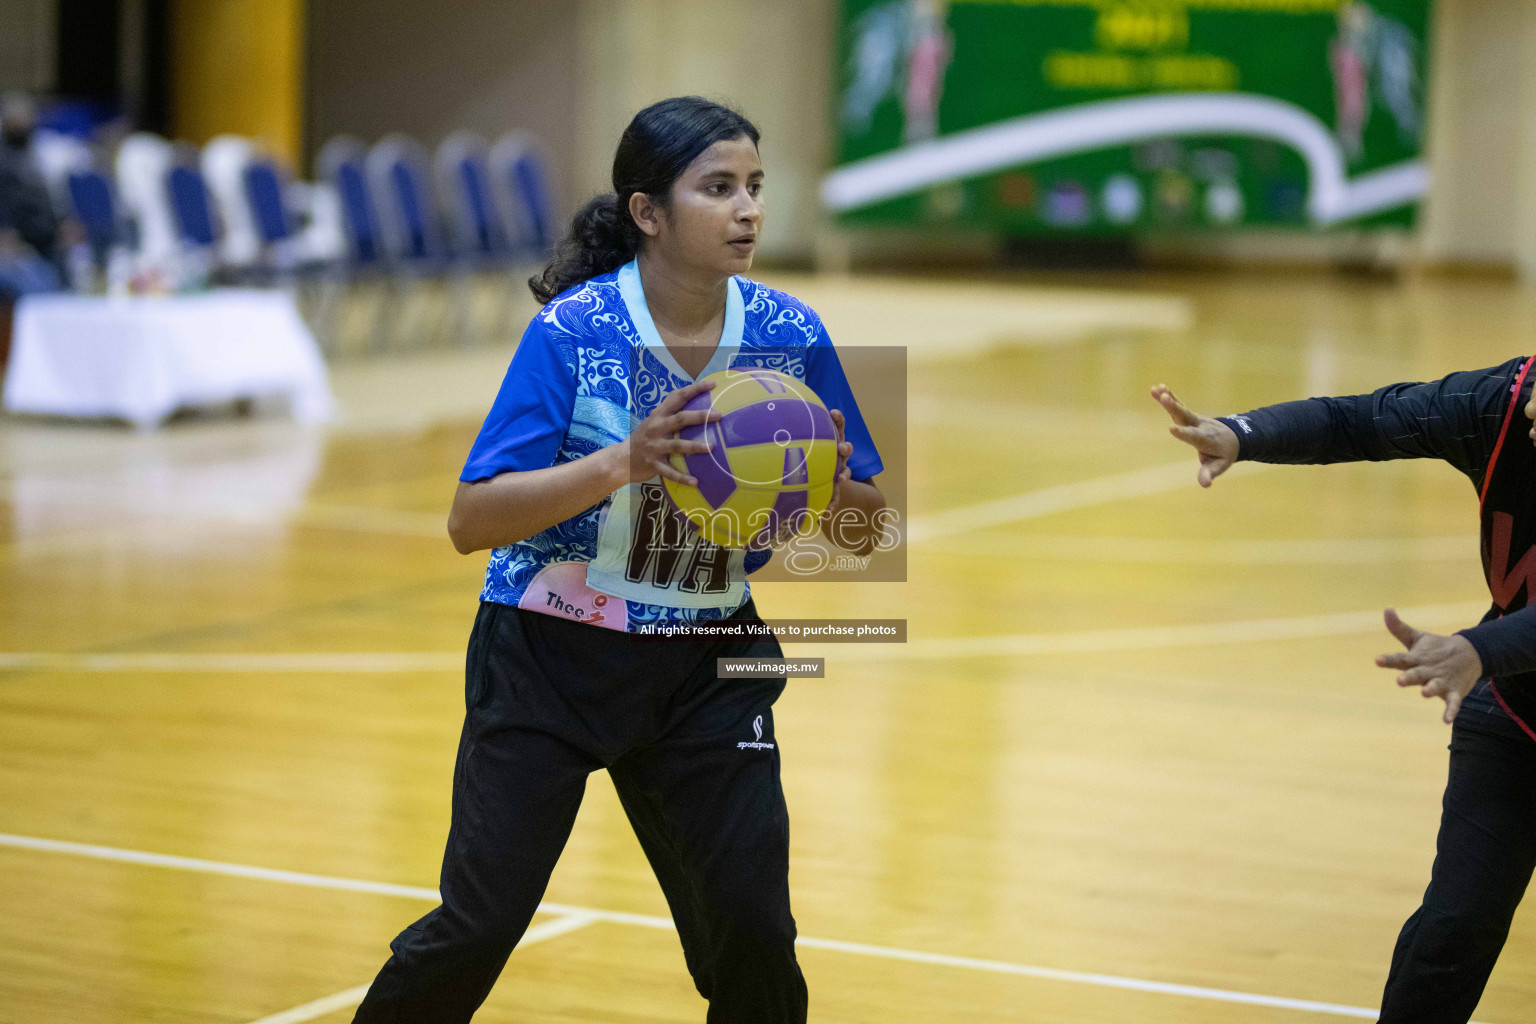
(730, 332)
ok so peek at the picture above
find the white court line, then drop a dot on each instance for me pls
(353, 996)
(1226, 551)
(1137, 483)
(216, 867)
(319, 1008)
(1029, 505)
(362, 662)
(112, 853)
(1034, 504)
(1092, 641)
(374, 519)
(1083, 978)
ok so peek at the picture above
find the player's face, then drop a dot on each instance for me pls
(716, 211)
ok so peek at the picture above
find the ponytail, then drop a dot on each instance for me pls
(659, 144)
(602, 238)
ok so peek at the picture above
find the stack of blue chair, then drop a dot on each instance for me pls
(411, 229)
(463, 176)
(343, 164)
(469, 213)
(521, 172)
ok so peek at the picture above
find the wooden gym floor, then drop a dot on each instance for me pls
(1134, 766)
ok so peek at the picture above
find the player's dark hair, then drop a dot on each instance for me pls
(659, 144)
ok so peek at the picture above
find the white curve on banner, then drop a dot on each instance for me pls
(1334, 196)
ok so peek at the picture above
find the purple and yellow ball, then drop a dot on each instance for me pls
(774, 459)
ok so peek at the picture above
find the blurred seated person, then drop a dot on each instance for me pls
(29, 231)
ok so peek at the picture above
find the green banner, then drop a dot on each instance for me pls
(1130, 116)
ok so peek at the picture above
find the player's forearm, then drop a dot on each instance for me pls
(855, 526)
(514, 506)
(1316, 431)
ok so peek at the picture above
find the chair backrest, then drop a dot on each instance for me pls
(144, 162)
(264, 187)
(90, 197)
(521, 187)
(56, 157)
(398, 176)
(224, 161)
(462, 171)
(192, 204)
(323, 235)
(343, 163)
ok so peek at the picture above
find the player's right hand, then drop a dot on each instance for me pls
(655, 439)
(1211, 439)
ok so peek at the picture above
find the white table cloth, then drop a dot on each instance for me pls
(140, 358)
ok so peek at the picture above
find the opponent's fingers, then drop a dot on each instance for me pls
(1399, 660)
(1452, 705)
(1176, 409)
(1436, 687)
(1406, 634)
(1418, 675)
(1189, 435)
(1210, 469)
(1200, 438)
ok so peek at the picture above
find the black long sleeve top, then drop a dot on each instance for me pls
(1457, 419)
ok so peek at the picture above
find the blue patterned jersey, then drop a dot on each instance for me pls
(590, 367)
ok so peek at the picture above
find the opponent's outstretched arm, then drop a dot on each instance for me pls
(1456, 419)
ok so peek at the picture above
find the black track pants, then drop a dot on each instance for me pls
(1483, 862)
(549, 702)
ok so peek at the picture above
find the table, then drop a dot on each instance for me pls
(140, 358)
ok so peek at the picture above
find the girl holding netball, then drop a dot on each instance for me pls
(640, 301)
(1486, 675)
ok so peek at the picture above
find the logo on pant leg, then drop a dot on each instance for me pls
(758, 744)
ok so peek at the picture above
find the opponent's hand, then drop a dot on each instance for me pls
(1440, 666)
(647, 448)
(1211, 439)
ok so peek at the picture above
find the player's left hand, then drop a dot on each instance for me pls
(845, 452)
(1440, 666)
